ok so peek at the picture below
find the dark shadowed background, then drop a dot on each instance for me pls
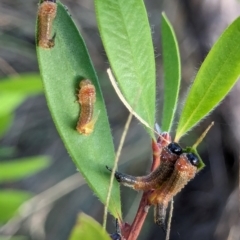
(208, 208)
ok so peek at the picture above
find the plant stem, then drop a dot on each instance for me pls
(144, 205)
(139, 218)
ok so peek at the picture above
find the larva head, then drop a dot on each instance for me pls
(171, 152)
(192, 152)
(87, 93)
(193, 159)
(85, 82)
(48, 8)
(174, 148)
(187, 166)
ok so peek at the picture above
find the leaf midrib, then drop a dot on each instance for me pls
(132, 56)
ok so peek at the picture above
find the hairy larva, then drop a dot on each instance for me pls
(176, 169)
(46, 13)
(86, 98)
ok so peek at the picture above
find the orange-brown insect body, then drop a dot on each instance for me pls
(183, 172)
(176, 169)
(46, 13)
(86, 98)
(156, 178)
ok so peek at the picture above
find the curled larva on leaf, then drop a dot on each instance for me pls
(86, 99)
(47, 11)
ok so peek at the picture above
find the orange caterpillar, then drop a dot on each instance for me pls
(86, 98)
(46, 13)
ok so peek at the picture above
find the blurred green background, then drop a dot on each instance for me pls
(35, 165)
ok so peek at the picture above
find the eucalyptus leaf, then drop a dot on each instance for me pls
(172, 73)
(217, 75)
(13, 91)
(16, 169)
(126, 37)
(25, 84)
(62, 68)
(88, 228)
(5, 122)
(10, 200)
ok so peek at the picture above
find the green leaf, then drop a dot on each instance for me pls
(172, 73)
(88, 228)
(126, 37)
(13, 91)
(5, 122)
(10, 102)
(13, 170)
(217, 75)
(62, 67)
(10, 200)
(25, 84)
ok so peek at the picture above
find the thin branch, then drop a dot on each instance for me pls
(203, 135)
(7, 68)
(126, 127)
(169, 220)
